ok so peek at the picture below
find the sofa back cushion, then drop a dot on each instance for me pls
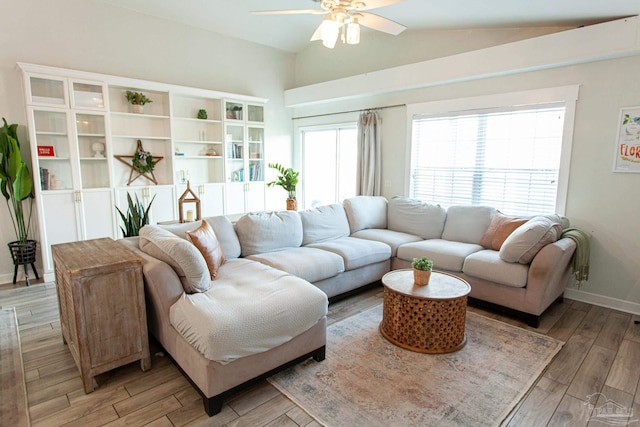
(324, 223)
(526, 241)
(467, 223)
(260, 232)
(180, 254)
(222, 227)
(415, 217)
(365, 212)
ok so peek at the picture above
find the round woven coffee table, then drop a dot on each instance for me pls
(427, 319)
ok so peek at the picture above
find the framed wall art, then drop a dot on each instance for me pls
(627, 155)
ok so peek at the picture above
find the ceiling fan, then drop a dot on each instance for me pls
(343, 18)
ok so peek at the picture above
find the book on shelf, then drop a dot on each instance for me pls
(44, 178)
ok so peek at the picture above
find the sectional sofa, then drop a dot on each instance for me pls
(264, 307)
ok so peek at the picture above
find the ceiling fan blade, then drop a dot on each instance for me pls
(379, 23)
(317, 33)
(374, 4)
(289, 12)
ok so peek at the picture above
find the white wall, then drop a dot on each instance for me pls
(91, 36)
(603, 203)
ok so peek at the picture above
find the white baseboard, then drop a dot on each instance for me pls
(8, 278)
(603, 301)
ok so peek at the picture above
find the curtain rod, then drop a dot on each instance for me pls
(351, 111)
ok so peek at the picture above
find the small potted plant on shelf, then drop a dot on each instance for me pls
(421, 270)
(202, 114)
(137, 100)
(16, 186)
(288, 179)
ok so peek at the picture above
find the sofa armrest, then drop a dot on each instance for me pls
(548, 274)
(162, 287)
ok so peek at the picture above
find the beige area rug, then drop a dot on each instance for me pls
(367, 381)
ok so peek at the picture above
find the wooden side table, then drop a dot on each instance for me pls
(426, 319)
(102, 307)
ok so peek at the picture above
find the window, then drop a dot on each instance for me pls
(329, 156)
(507, 157)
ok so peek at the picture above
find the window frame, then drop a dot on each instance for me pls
(567, 95)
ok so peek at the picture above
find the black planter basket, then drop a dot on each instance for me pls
(23, 254)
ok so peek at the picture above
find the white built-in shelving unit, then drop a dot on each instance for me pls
(79, 121)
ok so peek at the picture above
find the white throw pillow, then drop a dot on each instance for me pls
(526, 241)
(182, 255)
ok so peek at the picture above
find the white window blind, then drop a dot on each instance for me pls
(507, 158)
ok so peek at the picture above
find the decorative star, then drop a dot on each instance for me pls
(134, 174)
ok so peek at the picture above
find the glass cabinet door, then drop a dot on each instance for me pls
(52, 142)
(234, 141)
(256, 153)
(94, 169)
(87, 95)
(234, 110)
(255, 113)
(47, 91)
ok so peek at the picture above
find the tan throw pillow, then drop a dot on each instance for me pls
(527, 240)
(500, 228)
(207, 243)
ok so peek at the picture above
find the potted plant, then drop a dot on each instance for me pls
(202, 114)
(16, 185)
(137, 100)
(288, 179)
(421, 270)
(137, 216)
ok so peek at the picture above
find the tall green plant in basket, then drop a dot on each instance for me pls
(137, 216)
(16, 184)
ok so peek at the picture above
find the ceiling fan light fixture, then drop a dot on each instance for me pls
(353, 32)
(329, 32)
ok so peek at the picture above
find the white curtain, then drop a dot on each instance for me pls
(369, 170)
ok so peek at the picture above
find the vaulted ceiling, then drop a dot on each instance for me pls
(291, 33)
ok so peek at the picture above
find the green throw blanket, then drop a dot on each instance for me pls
(581, 256)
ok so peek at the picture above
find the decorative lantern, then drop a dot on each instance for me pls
(188, 197)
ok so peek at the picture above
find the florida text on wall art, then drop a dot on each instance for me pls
(627, 155)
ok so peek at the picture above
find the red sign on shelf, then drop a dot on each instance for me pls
(46, 151)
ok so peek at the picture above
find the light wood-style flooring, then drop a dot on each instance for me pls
(601, 355)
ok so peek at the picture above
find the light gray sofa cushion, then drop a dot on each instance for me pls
(323, 223)
(467, 223)
(222, 227)
(392, 238)
(180, 254)
(365, 212)
(415, 217)
(488, 265)
(261, 232)
(355, 252)
(310, 264)
(445, 254)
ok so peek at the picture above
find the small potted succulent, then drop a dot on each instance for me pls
(421, 270)
(202, 114)
(137, 100)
